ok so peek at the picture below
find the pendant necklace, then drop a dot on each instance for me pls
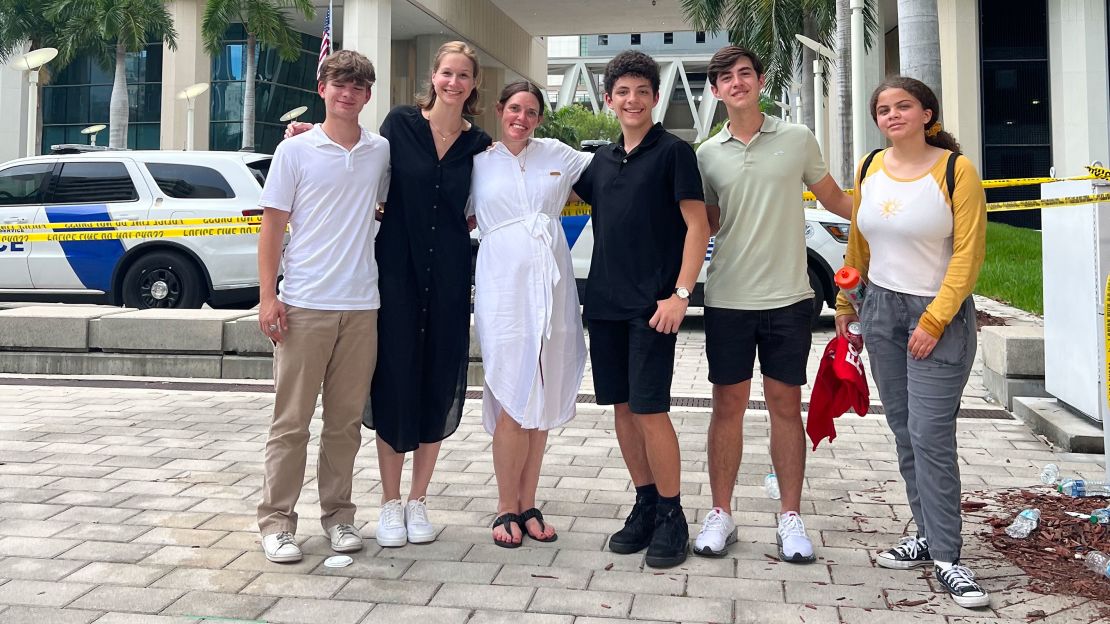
(523, 163)
(443, 137)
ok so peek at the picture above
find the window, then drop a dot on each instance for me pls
(190, 181)
(260, 169)
(603, 40)
(699, 36)
(635, 38)
(93, 183)
(668, 38)
(23, 184)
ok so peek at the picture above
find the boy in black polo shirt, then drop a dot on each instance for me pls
(650, 235)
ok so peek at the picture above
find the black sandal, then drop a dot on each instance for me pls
(531, 514)
(508, 519)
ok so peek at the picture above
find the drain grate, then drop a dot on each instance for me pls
(205, 386)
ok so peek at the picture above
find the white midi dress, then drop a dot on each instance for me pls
(525, 301)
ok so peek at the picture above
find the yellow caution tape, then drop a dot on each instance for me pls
(576, 209)
(89, 225)
(1032, 204)
(1106, 329)
(61, 237)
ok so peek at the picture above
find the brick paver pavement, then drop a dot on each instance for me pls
(136, 505)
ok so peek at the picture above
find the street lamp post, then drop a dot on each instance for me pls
(30, 62)
(859, 95)
(818, 87)
(190, 94)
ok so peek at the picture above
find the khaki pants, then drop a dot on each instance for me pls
(337, 349)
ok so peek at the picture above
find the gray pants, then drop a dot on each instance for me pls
(921, 399)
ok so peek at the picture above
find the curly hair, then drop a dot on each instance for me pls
(934, 135)
(635, 64)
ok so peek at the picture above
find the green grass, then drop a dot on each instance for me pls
(1012, 271)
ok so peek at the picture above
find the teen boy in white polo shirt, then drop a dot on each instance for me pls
(325, 184)
(757, 294)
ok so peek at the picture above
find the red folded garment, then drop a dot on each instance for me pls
(840, 385)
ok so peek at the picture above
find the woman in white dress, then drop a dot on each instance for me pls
(525, 304)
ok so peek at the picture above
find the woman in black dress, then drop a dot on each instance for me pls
(423, 255)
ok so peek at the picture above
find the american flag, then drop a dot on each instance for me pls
(325, 42)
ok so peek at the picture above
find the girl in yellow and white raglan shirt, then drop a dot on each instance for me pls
(919, 245)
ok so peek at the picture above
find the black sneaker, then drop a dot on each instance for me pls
(960, 583)
(671, 539)
(910, 552)
(638, 527)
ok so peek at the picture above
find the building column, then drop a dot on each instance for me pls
(961, 84)
(367, 28)
(188, 65)
(13, 99)
(1077, 42)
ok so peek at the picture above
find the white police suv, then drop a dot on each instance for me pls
(178, 272)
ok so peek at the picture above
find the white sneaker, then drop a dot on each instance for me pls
(345, 538)
(391, 525)
(420, 529)
(717, 532)
(281, 547)
(794, 544)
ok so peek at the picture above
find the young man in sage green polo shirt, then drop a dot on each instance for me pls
(757, 295)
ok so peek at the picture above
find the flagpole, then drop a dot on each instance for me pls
(331, 13)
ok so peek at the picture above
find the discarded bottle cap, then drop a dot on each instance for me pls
(338, 561)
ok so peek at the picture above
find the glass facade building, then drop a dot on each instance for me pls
(280, 86)
(1017, 124)
(79, 96)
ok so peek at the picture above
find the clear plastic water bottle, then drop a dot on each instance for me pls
(1024, 524)
(1081, 488)
(771, 486)
(1101, 516)
(1098, 563)
(1050, 474)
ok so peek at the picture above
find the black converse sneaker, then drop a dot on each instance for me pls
(638, 527)
(960, 582)
(671, 539)
(910, 552)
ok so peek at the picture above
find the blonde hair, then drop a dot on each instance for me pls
(428, 99)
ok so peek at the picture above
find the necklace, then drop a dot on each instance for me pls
(444, 137)
(522, 163)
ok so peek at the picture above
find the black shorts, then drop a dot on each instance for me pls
(632, 363)
(781, 335)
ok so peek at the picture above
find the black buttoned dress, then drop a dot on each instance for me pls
(423, 253)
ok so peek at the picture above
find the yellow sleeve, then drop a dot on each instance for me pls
(969, 248)
(858, 255)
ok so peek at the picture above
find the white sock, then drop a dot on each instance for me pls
(943, 565)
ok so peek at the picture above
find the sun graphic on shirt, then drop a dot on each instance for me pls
(890, 208)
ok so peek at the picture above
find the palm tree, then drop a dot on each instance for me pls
(23, 24)
(767, 27)
(265, 22)
(110, 29)
(919, 41)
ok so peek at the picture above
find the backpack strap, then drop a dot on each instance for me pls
(950, 178)
(865, 167)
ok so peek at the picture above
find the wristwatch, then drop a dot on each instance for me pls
(682, 293)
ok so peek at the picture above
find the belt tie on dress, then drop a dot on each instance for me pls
(538, 225)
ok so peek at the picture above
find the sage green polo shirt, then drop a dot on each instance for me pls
(759, 255)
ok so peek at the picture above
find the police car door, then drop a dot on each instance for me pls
(87, 189)
(21, 192)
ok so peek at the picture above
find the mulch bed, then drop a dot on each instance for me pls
(983, 319)
(1053, 553)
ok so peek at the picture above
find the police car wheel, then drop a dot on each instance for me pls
(818, 296)
(163, 279)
